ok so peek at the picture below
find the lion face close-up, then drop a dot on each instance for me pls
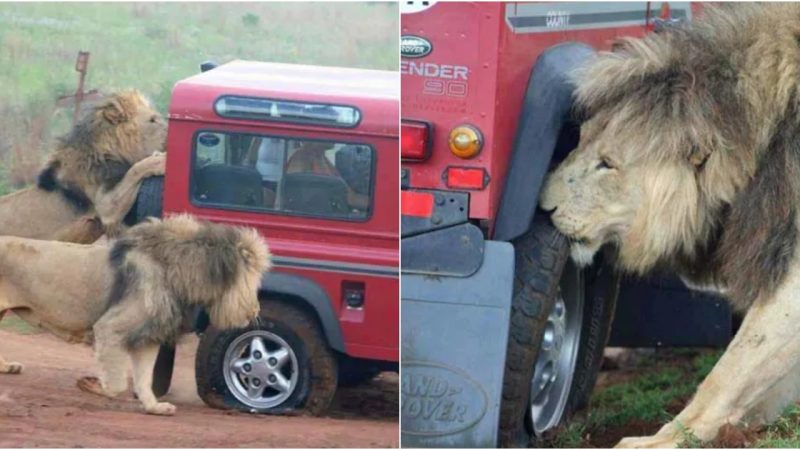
(667, 144)
(128, 119)
(593, 195)
(638, 190)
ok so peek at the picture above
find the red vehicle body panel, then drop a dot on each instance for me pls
(370, 332)
(499, 61)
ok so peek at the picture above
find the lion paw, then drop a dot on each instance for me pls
(161, 409)
(12, 368)
(647, 442)
(93, 386)
(153, 165)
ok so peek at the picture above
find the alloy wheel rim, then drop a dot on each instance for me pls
(260, 369)
(557, 358)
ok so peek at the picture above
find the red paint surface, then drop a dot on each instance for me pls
(374, 332)
(476, 35)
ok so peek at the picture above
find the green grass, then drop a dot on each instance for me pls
(784, 433)
(653, 396)
(150, 46)
(647, 397)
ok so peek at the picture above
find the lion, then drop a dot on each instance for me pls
(689, 160)
(92, 178)
(132, 296)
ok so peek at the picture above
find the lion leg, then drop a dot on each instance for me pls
(7, 367)
(144, 360)
(776, 400)
(765, 351)
(112, 206)
(112, 356)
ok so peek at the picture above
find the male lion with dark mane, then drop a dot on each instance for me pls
(690, 160)
(93, 175)
(132, 296)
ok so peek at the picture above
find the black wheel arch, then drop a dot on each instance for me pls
(306, 294)
(547, 130)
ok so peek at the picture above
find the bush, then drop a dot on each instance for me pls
(250, 20)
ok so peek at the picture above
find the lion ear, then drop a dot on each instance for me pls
(115, 112)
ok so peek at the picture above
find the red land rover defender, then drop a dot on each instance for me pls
(519, 331)
(309, 157)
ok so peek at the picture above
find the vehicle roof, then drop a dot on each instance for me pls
(376, 93)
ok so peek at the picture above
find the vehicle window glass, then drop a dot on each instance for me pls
(283, 175)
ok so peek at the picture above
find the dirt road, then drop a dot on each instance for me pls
(42, 407)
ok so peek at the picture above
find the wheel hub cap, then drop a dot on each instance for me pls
(260, 369)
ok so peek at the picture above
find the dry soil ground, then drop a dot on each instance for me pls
(42, 407)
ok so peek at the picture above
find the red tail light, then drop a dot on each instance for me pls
(414, 140)
(417, 204)
(466, 178)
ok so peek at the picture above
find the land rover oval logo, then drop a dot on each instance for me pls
(437, 400)
(414, 47)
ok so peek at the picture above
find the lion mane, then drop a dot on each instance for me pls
(720, 93)
(101, 148)
(181, 263)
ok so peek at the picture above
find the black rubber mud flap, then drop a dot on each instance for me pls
(546, 113)
(162, 373)
(454, 339)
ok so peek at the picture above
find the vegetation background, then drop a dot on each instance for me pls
(151, 46)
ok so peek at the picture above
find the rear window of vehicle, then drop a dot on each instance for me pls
(283, 175)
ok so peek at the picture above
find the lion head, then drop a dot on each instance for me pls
(668, 141)
(127, 126)
(118, 132)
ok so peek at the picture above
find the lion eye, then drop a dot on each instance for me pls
(154, 119)
(604, 164)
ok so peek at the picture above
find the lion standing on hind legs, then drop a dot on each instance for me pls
(93, 175)
(690, 160)
(92, 178)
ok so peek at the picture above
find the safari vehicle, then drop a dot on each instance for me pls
(493, 312)
(309, 157)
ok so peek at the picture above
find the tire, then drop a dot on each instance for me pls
(149, 201)
(541, 263)
(162, 371)
(602, 288)
(314, 364)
